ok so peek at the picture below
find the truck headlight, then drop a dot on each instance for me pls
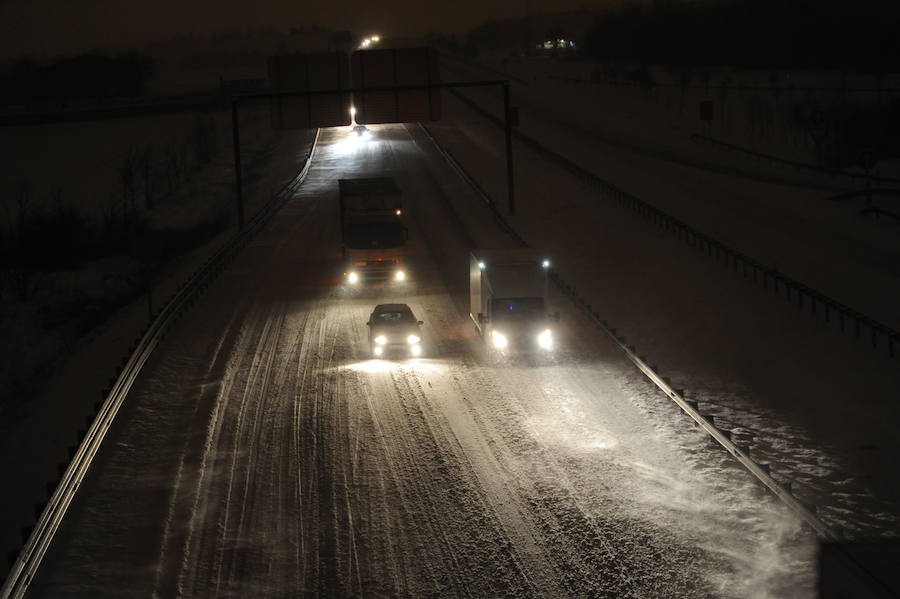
(380, 340)
(413, 339)
(499, 339)
(545, 339)
(400, 275)
(352, 278)
(416, 350)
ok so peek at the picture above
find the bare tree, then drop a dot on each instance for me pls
(128, 178)
(146, 167)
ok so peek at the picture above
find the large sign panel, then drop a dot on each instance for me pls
(304, 73)
(393, 68)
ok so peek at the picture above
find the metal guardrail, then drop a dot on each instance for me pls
(819, 305)
(473, 183)
(26, 564)
(761, 471)
(866, 194)
(877, 212)
(785, 163)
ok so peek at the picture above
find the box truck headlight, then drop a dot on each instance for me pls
(498, 339)
(352, 278)
(378, 350)
(380, 340)
(413, 339)
(399, 276)
(416, 350)
(545, 339)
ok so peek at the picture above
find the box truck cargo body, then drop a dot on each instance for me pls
(508, 298)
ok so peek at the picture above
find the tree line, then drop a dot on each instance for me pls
(863, 35)
(89, 76)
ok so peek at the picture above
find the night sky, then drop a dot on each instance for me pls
(46, 27)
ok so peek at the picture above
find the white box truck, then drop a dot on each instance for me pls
(508, 298)
(372, 231)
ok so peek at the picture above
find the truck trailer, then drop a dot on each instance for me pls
(508, 298)
(372, 230)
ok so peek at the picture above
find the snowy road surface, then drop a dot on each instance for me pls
(263, 453)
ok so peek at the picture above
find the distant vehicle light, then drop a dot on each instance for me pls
(352, 278)
(380, 340)
(399, 212)
(545, 339)
(413, 339)
(376, 38)
(378, 351)
(416, 350)
(499, 339)
(400, 275)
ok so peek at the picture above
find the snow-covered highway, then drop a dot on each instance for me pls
(263, 453)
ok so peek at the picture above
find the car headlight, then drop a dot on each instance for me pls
(400, 275)
(416, 350)
(380, 340)
(545, 339)
(352, 277)
(413, 339)
(499, 339)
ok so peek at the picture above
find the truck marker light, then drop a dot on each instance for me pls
(380, 340)
(353, 278)
(400, 275)
(412, 339)
(499, 339)
(545, 339)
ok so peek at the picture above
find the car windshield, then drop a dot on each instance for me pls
(397, 317)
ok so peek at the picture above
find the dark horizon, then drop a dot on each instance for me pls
(46, 28)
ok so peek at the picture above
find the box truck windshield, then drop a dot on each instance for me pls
(517, 308)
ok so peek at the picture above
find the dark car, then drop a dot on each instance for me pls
(394, 329)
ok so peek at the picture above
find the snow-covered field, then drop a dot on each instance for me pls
(793, 229)
(764, 111)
